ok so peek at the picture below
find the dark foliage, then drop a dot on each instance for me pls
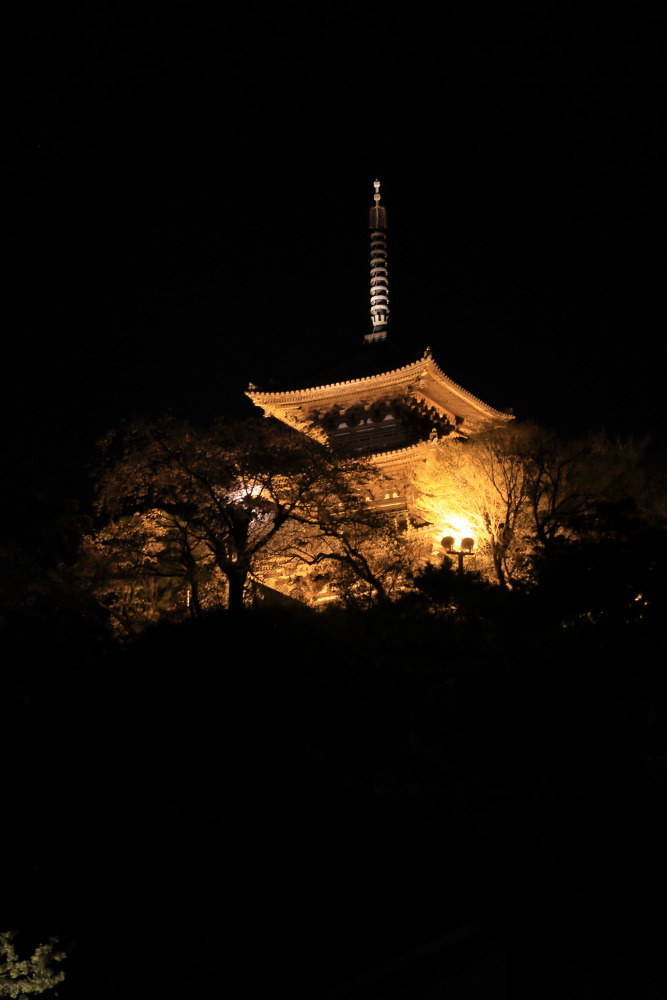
(615, 569)
(295, 796)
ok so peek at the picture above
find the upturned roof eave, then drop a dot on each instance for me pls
(464, 393)
(294, 395)
(422, 366)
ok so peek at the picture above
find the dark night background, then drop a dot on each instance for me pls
(187, 197)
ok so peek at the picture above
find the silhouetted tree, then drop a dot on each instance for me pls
(568, 480)
(181, 499)
(480, 488)
(522, 490)
(364, 553)
(612, 568)
(146, 565)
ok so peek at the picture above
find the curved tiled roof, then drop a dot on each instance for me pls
(376, 361)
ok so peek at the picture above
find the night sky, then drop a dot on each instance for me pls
(188, 198)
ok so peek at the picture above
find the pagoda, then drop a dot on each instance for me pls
(378, 402)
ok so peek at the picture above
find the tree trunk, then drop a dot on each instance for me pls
(497, 554)
(236, 577)
(195, 603)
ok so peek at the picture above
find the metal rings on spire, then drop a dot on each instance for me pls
(377, 222)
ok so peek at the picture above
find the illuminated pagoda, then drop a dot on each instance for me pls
(377, 402)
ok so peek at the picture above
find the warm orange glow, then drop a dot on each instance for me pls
(456, 528)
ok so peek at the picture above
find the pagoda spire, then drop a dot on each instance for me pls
(377, 223)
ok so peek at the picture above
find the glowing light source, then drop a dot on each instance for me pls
(465, 547)
(456, 534)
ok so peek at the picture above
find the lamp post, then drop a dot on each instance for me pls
(464, 549)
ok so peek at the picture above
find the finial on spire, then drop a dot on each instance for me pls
(376, 196)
